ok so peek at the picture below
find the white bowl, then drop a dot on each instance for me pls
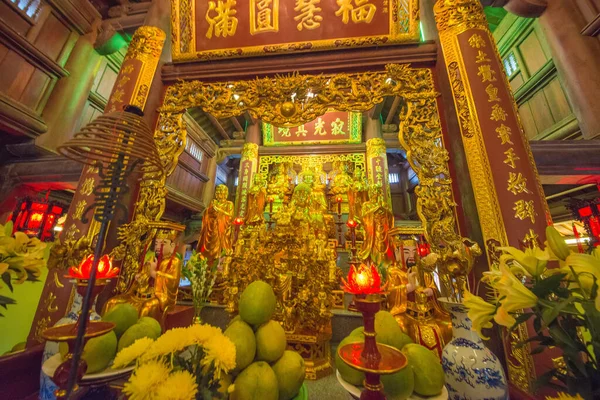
(109, 374)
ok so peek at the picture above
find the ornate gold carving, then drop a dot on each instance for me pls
(463, 14)
(375, 147)
(250, 151)
(460, 100)
(147, 42)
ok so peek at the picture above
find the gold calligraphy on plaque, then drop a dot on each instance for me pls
(301, 131)
(87, 187)
(49, 303)
(517, 183)
(308, 17)
(221, 18)
(482, 57)
(358, 10)
(79, 209)
(476, 41)
(337, 127)
(504, 133)
(524, 209)
(492, 92)
(285, 132)
(511, 157)
(264, 16)
(320, 127)
(486, 73)
(498, 113)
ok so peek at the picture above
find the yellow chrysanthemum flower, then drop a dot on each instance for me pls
(480, 312)
(145, 380)
(131, 353)
(220, 351)
(171, 341)
(201, 333)
(180, 385)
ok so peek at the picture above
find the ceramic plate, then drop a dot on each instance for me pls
(355, 391)
(107, 375)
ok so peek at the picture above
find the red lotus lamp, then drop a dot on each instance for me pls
(369, 357)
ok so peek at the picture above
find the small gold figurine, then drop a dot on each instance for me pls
(279, 183)
(342, 181)
(257, 198)
(216, 234)
(358, 194)
(154, 292)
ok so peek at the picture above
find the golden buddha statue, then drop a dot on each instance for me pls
(342, 181)
(278, 183)
(377, 219)
(357, 195)
(154, 291)
(321, 219)
(216, 233)
(397, 279)
(257, 198)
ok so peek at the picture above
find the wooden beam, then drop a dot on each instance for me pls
(249, 118)
(391, 114)
(219, 127)
(237, 125)
(375, 112)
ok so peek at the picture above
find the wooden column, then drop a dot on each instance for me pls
(132, 87)
(509, 198)
(377, 165)
(248, 167)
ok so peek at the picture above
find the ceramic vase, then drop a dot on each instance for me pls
(47, 386)
(472, 371)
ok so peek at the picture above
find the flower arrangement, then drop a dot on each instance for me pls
(202, 278)
(182, 364)
(21, 259)
(562, 304)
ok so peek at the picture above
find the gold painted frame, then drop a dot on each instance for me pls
(420, 134)
(404, 25)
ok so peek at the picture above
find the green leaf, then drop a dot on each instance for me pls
(6, 279)
(546, 286)
(550, 314)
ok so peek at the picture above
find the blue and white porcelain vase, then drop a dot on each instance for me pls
(47, 386)
(472, 371)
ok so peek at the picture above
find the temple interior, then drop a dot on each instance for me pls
(299, 199)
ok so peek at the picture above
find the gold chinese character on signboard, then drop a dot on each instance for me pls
(492, 92)
(481, 57)
(498, 113)
(504, 133)
(531, 238)
(517, 183)
(320, 127)
(308, 17)
(71, 232)
(524, 209)
(337, 127)
(486, 73)
(301, 131)
(264, 16)
(79, 209)
(476, 41)
(87, 187)
(511, 157)
(361, 11)
(223, 23)
(127, 69)
(117, 96)
(285, 132)
(123, 80)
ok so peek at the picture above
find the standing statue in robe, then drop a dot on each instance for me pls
(377, 219)
(322, 220)
(154, 291)
(257, 198)
(358, 194)
(278, 183)
(216, 234)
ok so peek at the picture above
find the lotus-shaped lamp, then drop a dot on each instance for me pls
(363, 280)
(84, 269)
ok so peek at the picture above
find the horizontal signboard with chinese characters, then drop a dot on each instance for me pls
(335, 127)
(212, 29)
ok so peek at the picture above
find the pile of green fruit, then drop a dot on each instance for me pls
(265, 369)
(423, 375)
(100, 351)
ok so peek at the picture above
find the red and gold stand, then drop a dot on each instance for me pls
(370, 357)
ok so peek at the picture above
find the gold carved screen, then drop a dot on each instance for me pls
(292, 100)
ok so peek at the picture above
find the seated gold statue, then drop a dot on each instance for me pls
(278, 183)
(377, 219)
(257, 197)
(154, 291)
(216, 233)
(342, 180)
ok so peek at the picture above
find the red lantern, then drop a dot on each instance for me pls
(238, 221)
(84, 269)
(364, 280)
(37, 217)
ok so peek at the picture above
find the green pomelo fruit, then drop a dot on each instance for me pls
(389, 332)
(257, 303)
(242, 336)
(399, 386)
(154, 324)
(98, 352)
(236, 318)
(349, 374)
(429, 375)
(290, 371)
(270, 341)
(123, 315)
(358, 333)
(134, 333)
(257, 381)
